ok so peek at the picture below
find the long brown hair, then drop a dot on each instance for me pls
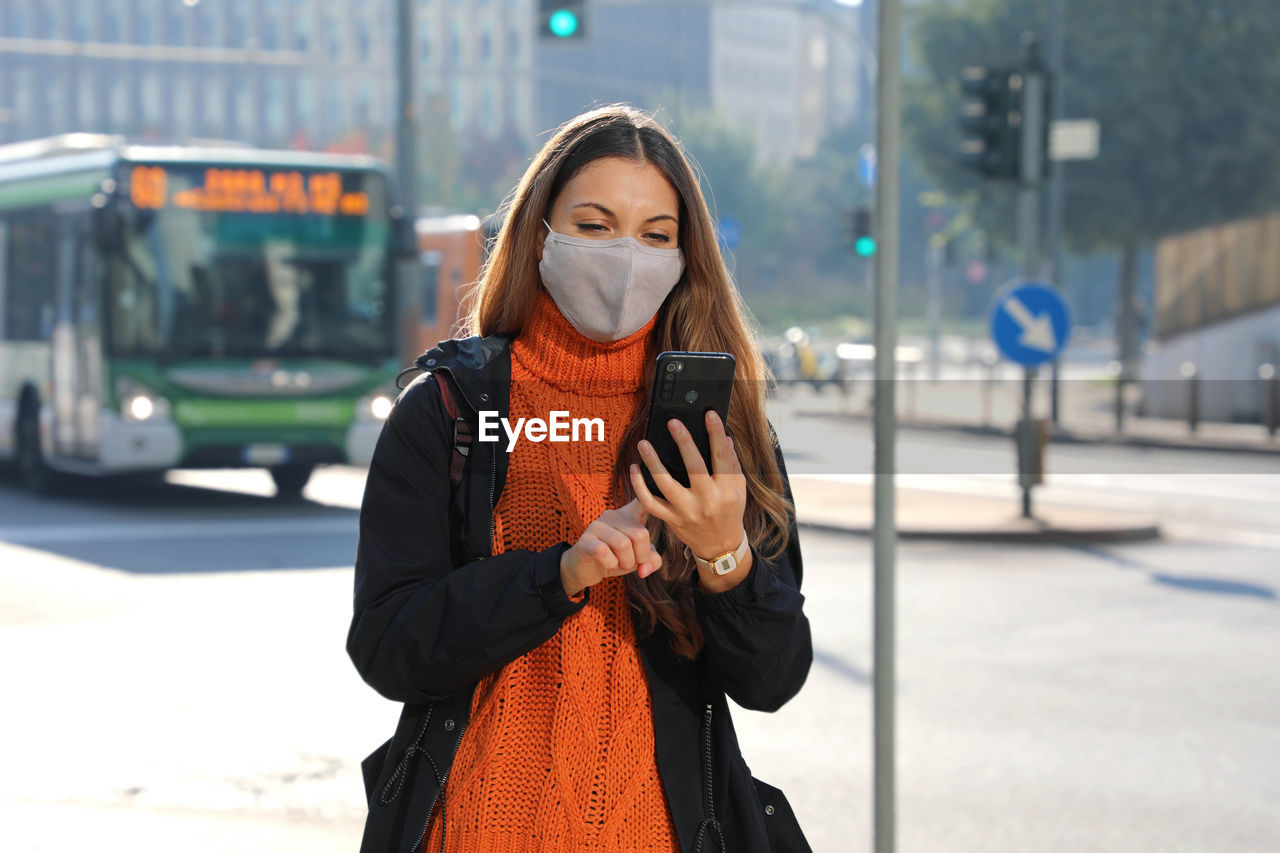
(703, 313)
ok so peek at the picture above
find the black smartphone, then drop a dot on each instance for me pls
(685, 386)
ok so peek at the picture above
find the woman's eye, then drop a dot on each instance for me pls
(594, 227)
(658, 238)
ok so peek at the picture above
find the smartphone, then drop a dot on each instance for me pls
(685, 386)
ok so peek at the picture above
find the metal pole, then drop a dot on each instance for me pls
(1030, 169)
(933, 306)
(1053, 227)
(406, 111)
(884, 537)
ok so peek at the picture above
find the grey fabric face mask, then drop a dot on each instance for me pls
(607, 289)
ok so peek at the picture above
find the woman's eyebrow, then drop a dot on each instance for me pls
(607, 212)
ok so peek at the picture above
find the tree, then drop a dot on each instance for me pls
(1189, 136)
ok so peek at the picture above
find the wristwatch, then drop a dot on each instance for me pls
(726, 562)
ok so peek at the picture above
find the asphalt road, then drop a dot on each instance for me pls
(177, 679)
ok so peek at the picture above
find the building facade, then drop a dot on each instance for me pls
(301, 73)
(785, 72)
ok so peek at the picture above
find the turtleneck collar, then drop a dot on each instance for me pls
(550, 348)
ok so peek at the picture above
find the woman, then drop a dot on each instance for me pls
(559, 635)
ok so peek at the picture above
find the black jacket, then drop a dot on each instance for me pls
(435, 612)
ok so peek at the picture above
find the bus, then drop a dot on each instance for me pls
(451, 251)
(213, 306)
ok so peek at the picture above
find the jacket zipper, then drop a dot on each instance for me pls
(493, 485)
(709, 823)
(457, 742)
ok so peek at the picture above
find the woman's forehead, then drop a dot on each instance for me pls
(625, 183)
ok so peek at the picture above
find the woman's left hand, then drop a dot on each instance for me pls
(706, 516)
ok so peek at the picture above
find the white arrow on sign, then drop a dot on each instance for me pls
(1037, 332)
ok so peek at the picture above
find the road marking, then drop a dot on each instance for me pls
(157, 531)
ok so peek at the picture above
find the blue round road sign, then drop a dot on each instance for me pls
(1030, 322)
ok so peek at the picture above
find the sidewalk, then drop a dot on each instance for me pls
(845, 506)
(974, 405)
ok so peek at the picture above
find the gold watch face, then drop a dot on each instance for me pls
(724, 565)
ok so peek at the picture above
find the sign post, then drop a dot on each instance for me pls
(1030, 325)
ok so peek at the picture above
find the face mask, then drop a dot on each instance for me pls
(607, 289)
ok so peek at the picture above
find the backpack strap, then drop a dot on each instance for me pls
(463, 431)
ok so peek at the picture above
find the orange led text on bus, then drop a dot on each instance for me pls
(249, 191)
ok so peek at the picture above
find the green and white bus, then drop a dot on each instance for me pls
(192, 307)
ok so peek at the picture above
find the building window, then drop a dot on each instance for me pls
(303, 104)
(213, 111)
(245, 124)
(237, 24)
(46, 21)
(142, 30)
(270, 34)
(302, 33)
(151, 100)
(335, 40)
(364, 104)
(16, 21)
(88, 102)
(363, 41)
(183, 105)
(174, 29)
(485, 47)
(118, 103)
(337, 118)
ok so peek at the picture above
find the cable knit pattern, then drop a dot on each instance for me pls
(559, 754)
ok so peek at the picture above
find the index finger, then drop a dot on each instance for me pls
(722, 455)
(636, 510)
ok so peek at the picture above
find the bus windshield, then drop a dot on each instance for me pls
(247, 263)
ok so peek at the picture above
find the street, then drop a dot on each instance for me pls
(177, 670)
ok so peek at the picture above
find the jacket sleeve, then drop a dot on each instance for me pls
(757, 637)
(423, 628)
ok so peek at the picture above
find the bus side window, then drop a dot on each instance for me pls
(431, 263)
(29, 265)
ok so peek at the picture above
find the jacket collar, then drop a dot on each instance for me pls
(481, 368)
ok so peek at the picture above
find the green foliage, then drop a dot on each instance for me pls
(1181, 89)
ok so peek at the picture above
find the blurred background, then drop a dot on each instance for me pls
(225, 225)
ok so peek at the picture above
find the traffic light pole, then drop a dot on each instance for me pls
(884, 524)
(406, 112)
(1030, 178)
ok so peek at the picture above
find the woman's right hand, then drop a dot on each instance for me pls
(616, 543)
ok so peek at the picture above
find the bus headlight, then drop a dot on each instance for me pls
(380, 407)
(375, 407)
(138, 403)
(141, 407)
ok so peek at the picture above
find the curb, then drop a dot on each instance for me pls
(1067, 437)
(1044, 536)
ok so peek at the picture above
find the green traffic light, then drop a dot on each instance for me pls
(864, 247)
(563, 23)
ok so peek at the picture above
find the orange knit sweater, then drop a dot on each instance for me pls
(559, 754)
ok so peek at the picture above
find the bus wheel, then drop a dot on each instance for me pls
(35, 475)
(290, 480)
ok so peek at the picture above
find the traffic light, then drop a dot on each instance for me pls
(991, 122)
(864, 241)
(562, 19)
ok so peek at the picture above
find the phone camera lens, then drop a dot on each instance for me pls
(691, 397)
(673, 366)
(666, 394)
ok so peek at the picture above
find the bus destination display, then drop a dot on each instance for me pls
(225, 190)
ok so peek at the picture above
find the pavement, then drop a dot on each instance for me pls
(844, 504)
